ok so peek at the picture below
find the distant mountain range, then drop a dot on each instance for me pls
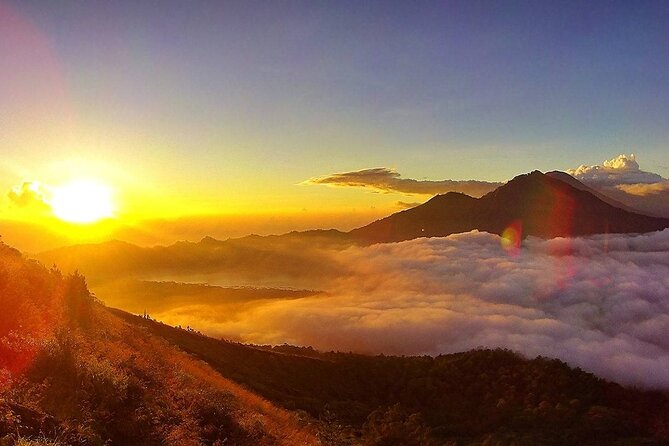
(542, 205)
(536, 204)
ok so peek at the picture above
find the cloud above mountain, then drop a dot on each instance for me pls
(29, 193)
(622, 179)
(383, 179)
(622, 170)
(597, 302)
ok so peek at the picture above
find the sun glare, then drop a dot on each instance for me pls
(82, 201)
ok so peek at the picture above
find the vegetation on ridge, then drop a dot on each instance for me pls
(73, 373)
(466, 398)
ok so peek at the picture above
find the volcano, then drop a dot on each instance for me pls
(534, 204)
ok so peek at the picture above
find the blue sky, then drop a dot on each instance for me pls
(247, 99)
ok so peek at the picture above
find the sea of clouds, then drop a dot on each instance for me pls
(600, 303)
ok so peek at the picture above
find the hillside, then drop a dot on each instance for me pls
(539, 204)
(76, 372)
(466, 398)
(72, 373)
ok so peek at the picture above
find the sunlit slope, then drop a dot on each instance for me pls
(74, 373)
(465, 397)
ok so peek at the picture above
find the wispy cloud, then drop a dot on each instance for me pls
(643, 190)
(407, 205)
(383, 179)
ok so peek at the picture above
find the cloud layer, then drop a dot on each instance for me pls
(384, 179)
(601, 303)
(622, 179)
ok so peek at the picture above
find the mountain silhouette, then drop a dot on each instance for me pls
(534, 204)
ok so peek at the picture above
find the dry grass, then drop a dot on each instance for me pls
(177, 370)
(41, 441)
(68, 362)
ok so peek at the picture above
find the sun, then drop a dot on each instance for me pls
(82, 201)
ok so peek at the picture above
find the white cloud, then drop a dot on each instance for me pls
(622, 179)
(622, 162)
(600, 302)
(623, 169)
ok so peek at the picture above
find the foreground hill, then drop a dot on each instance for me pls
(535, 204)
(75, 372)
(477, 397)
(72, 373)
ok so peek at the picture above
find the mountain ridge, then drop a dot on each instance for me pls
(533, 204)
(543, 206)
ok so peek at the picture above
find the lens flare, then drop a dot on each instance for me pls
(512, 237)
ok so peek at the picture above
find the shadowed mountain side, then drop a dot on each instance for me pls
(540, 205)
(462, 397)
(566, 178)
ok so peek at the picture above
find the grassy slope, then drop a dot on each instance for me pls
(466, 398)
(75, 373)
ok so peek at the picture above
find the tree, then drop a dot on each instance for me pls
(78, 299)
(393, 426)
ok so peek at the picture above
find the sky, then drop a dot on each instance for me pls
(233, 108)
